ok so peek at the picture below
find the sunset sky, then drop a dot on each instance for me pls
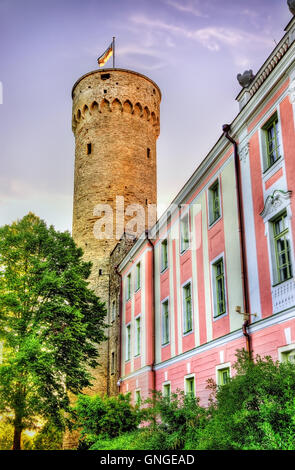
(192, 49)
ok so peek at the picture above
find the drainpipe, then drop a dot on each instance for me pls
(153, 310)
(226, 130)
(120, 328)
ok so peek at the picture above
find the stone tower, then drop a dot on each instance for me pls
(115, 119)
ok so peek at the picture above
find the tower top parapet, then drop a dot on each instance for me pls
(107, 71)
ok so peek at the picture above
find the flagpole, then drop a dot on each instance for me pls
(113, 52)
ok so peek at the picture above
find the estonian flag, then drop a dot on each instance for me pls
(105, 56)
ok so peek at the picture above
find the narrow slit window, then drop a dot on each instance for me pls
(89, 148)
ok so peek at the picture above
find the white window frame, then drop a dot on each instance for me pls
(281, 203)
(184, 248)
(211, 222)
(268, 170)
(219, 368)
(137, 344)
(285, 349)
(137, 277)
(190, 376)
(127, 343)
(136, 391)
(163, 268)
(162, 321)
(165, 384)
(213, 284)
(184, 285)
(128, 286)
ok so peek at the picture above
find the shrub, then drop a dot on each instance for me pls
(105, 417)
(174, 420)
(255, 410)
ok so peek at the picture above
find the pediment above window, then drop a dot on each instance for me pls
(274, 202)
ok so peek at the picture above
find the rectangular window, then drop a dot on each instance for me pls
(190, 386)
(214, 203)
(164, 255)
(128, 287)
(165, 322)
(219, 288)
(187, 308)
(223, 376)
(128, 342)
(167, 391)
(137, 397)
(272, 140)
(282, 248)
(184, 233)
(137, 336)
(289, 356)
(137, 277)
(88, 149)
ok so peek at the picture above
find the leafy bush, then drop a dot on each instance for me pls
(126, 441)
(255, 410)
(105, 417)
(173, 420)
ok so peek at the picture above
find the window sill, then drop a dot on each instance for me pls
(184, 251)
(221, 315)
(164, 270)
(282, 282)
(165, 344)
(272, 168)
(186, 333)
(137, 355)
(138, 289)
(214, 222)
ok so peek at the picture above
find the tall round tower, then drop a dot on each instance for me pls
(116, 115)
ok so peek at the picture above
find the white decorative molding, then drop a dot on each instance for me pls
(283, 296)
(276, 56)
(278, 199)
(292, 91)
(288, 335)
(244, 152)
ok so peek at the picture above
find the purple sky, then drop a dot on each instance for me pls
(192, 49)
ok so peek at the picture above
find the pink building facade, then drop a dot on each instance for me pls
(225, 247)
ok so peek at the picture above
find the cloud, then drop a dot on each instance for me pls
(212, 37)
(188, 8)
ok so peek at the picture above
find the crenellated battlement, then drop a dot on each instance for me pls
(90, 110)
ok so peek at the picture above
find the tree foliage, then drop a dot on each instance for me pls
(105, 417)
(255, 410)
(50, 323)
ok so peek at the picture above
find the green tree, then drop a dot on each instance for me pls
(50, 324)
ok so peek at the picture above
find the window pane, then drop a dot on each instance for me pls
(219, 286)
(282, 249)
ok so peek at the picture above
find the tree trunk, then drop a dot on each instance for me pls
(17, 438)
